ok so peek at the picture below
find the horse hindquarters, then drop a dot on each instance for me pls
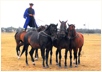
(18, 44)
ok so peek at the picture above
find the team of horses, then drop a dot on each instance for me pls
(45, 37)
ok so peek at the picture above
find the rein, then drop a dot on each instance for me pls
(44, 34)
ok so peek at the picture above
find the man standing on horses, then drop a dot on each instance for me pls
(29, 16)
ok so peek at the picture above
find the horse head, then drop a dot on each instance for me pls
(41, 28)
(52, 30)
(71, 31)
(63, 28)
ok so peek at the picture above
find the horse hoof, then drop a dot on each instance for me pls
(44, 67)
(36, 59)
(47, 66)
(27, 65)
(18, 57)
(57, 63)
(65, 66)
(59, 66)
(70, 66)
(50, 63)
(76, 65)
(33, 63)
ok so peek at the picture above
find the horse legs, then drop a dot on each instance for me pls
(47, 53)
(79, 55)
(18, 50)
(31, 54)
(43, 55)
(51, 57)
(18, 47)
(66, 57)
(74, 57)
(36, 54)
(24, 48)
(57, 57)
(26, 53)
(70, 57)
(75, 54)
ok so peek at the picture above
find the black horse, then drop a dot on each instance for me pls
(19, 38)
(61, 42)
(42, 40)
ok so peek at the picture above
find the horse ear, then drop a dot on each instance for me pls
(66, 21)
(46, 25)
(73, 25)
(57, 24)
(59, 21)
(68, 24)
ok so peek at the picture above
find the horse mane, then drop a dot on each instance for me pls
(49, 26)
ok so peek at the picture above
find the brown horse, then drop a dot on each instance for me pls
(19, 38)
(76, 42)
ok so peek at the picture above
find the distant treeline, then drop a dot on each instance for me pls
(89, 30)
(12, 29)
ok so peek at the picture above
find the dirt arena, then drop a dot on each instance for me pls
(90, 58)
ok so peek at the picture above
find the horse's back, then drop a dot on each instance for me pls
(33, 39)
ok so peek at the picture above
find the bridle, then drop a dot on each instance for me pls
(76, 35)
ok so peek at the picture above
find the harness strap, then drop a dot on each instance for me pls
(44, 34)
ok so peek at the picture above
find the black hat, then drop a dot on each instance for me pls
(31, 4)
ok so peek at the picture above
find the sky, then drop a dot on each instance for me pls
(77, 12)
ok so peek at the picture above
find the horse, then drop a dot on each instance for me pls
(76, 42)
(19, 38)
(62, 42)
(42, 40)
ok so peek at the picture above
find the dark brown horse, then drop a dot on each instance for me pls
(19, 38)
(42, 40)
(76, 42)
(62, 42)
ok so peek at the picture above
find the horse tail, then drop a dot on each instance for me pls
(15, 35)
(82, 39)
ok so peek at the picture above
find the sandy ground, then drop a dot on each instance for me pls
(90, 56)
